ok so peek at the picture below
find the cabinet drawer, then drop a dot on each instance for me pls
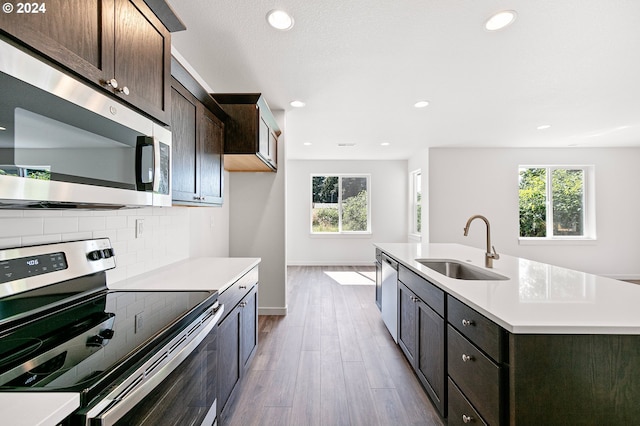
(461, 412)
(232, 295)
(477, 376)
(427, 292)
(483, 332)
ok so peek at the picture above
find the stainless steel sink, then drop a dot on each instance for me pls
(460, 271)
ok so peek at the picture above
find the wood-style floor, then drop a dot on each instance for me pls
(330, 361)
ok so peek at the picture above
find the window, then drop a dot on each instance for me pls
(416, 203)
(555, 202)
(340, 204)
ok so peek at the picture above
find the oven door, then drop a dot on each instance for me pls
(177, 386)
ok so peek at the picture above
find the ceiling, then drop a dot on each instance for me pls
(360, 65)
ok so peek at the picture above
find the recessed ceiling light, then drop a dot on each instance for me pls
(2, 128)
(500, 20)
(280, 20)
(297, 104)
(385, 144)
(543, 127)
(307, 144)
(421, 104)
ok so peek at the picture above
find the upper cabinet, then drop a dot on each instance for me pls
(197, 128)
(119, 45)
(251, 135)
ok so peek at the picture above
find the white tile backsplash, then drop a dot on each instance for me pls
(165, 238)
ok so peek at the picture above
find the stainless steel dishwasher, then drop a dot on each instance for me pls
(390, 295)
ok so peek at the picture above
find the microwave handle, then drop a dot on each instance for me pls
(145, 159)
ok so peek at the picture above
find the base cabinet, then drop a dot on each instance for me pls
(237, 337)
(478, 373)
(421, 333)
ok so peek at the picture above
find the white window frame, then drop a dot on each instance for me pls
(415, 178)
(589, 226)
(340, 231)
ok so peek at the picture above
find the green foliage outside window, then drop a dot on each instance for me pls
(533, 203)
(567, 196)
(336, 195)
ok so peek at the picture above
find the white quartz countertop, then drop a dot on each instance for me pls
(205, 273)
(37, 409)
(537, 298)
(201, 273)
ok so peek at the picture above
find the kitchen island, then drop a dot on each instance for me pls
(545, 345)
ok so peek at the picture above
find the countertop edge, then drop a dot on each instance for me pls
(200, 273)
(37, 409)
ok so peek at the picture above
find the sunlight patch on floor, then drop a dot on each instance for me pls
(353, 277)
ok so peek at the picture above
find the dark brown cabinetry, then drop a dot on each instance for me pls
(119, 45)
(251, 133)
(421, 332)
(197, 142)
(238, 336)
(475, 356)
(494, 377)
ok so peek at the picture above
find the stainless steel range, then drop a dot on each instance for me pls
(134, 357)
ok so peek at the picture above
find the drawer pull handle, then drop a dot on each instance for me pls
(467, 323)
(467, 419)
(466, 358)
(242, 287)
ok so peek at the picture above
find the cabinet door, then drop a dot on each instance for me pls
(263, 139)
(211, 142)
(273, 148)
(228, 356)
(430, 359)
(75, 33)
(184, 144)
(249, 338)
(142, 47)
(407, 326)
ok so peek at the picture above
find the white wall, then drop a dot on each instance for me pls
(389, 195)
(464, 182)
(257, 227)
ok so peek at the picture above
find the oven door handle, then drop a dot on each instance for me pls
(113, 408)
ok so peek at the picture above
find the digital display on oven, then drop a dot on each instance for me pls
(24, 267)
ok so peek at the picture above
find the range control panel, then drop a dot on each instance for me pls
(24, 267)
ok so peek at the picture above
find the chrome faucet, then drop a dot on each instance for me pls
(489, 255)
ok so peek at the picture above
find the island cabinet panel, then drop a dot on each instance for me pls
(461, 412)
(421, 333)
(476, 327)
(574, 379)
(197, 126)
(238, 336)
(476, 375)
(118, 45)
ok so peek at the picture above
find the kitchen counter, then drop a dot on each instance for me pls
(206, 273)
(37, 409)
(537, 298)
(201, 273)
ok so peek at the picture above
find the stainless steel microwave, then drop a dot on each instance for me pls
(64, 144)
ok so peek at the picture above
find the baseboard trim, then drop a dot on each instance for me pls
(272, 311)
